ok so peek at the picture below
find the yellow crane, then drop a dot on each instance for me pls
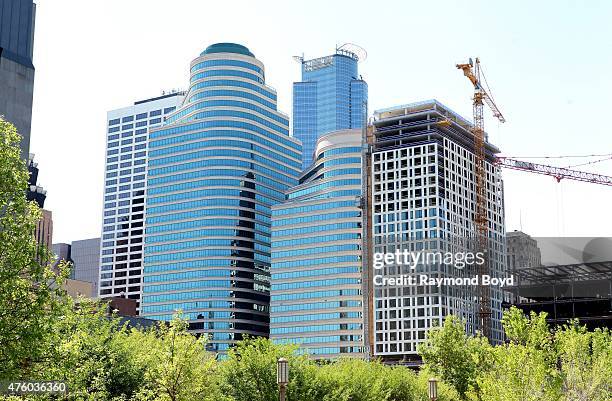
(473, 72)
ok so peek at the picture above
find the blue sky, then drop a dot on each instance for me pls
(548, 63)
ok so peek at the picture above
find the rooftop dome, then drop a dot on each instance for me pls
(227, 48)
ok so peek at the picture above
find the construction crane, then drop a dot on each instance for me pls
(558, 173)
(473, 72)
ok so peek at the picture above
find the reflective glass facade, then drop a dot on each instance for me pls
(215, 168)
(316, 254)
(330, 97)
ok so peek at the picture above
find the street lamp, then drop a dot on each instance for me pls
(433, 389)
(282, 376)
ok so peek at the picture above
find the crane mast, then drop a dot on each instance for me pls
(481, 221)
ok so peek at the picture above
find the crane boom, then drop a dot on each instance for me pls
(558, 173)
(481, 218)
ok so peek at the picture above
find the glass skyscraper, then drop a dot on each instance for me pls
(330, 97)
(316, 254)
(215, 168)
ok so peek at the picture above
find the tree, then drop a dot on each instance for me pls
(456, 357)
(178, 367)
(249, 373)
(30, 296)
(524, 368)
(585, 360)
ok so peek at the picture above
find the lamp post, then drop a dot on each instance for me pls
(282, 377)
(433, 389)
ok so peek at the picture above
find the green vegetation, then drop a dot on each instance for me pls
(44, 335)
(536, 363)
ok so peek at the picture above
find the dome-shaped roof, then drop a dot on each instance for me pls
(227, 48)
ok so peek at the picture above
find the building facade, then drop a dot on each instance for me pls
(331, 96)
(85, 255)
(522, 251)
(214, 171)
(127, 136)
(316, 297)
(16, 67)
(423, 200)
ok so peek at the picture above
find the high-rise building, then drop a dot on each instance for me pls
(316, 297)
(121, 254)
(331, 96)
(16, 67)
(214, 171)
(422, 199)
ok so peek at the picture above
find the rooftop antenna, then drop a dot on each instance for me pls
(352, 50)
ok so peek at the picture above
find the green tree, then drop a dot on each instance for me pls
(178, 366)
(585, 362)
(31, 300)
(249, 373)
(94, 355)
(455, 357)
(525, 367)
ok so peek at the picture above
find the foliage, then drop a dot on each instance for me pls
(586, 362)
(535, 363)
(456, 357)
(30, 296)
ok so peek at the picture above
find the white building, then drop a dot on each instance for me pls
(121, 251)
(423, 200)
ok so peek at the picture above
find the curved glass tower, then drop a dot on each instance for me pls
(215, 168)
(316, 254)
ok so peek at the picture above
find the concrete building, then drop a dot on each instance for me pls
(44, 230)
(331, 96)
(422, 200)
(16, 67)
(316, 296)
(85, 255)
(85, 258)
(121, 253)
(215, 168)
(522, 251)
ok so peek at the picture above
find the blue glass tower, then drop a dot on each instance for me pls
(215, 168)
(330, 97)
(316, 254)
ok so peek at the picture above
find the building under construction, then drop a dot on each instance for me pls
(421, 197)
(580, 291)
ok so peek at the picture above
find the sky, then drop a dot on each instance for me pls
(548, 64)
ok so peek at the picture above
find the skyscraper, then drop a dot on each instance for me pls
(331, 96)
(16, 67)
(422, 199)
(214, 171)
(121, 253)
(316, 297)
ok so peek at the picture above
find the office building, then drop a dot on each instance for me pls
(422, 199)
(214, 171)
(522, 251)
(44, 231)
(331, 96)
(316, 297)
(16, 67)
(121, 254)
(84, 255)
